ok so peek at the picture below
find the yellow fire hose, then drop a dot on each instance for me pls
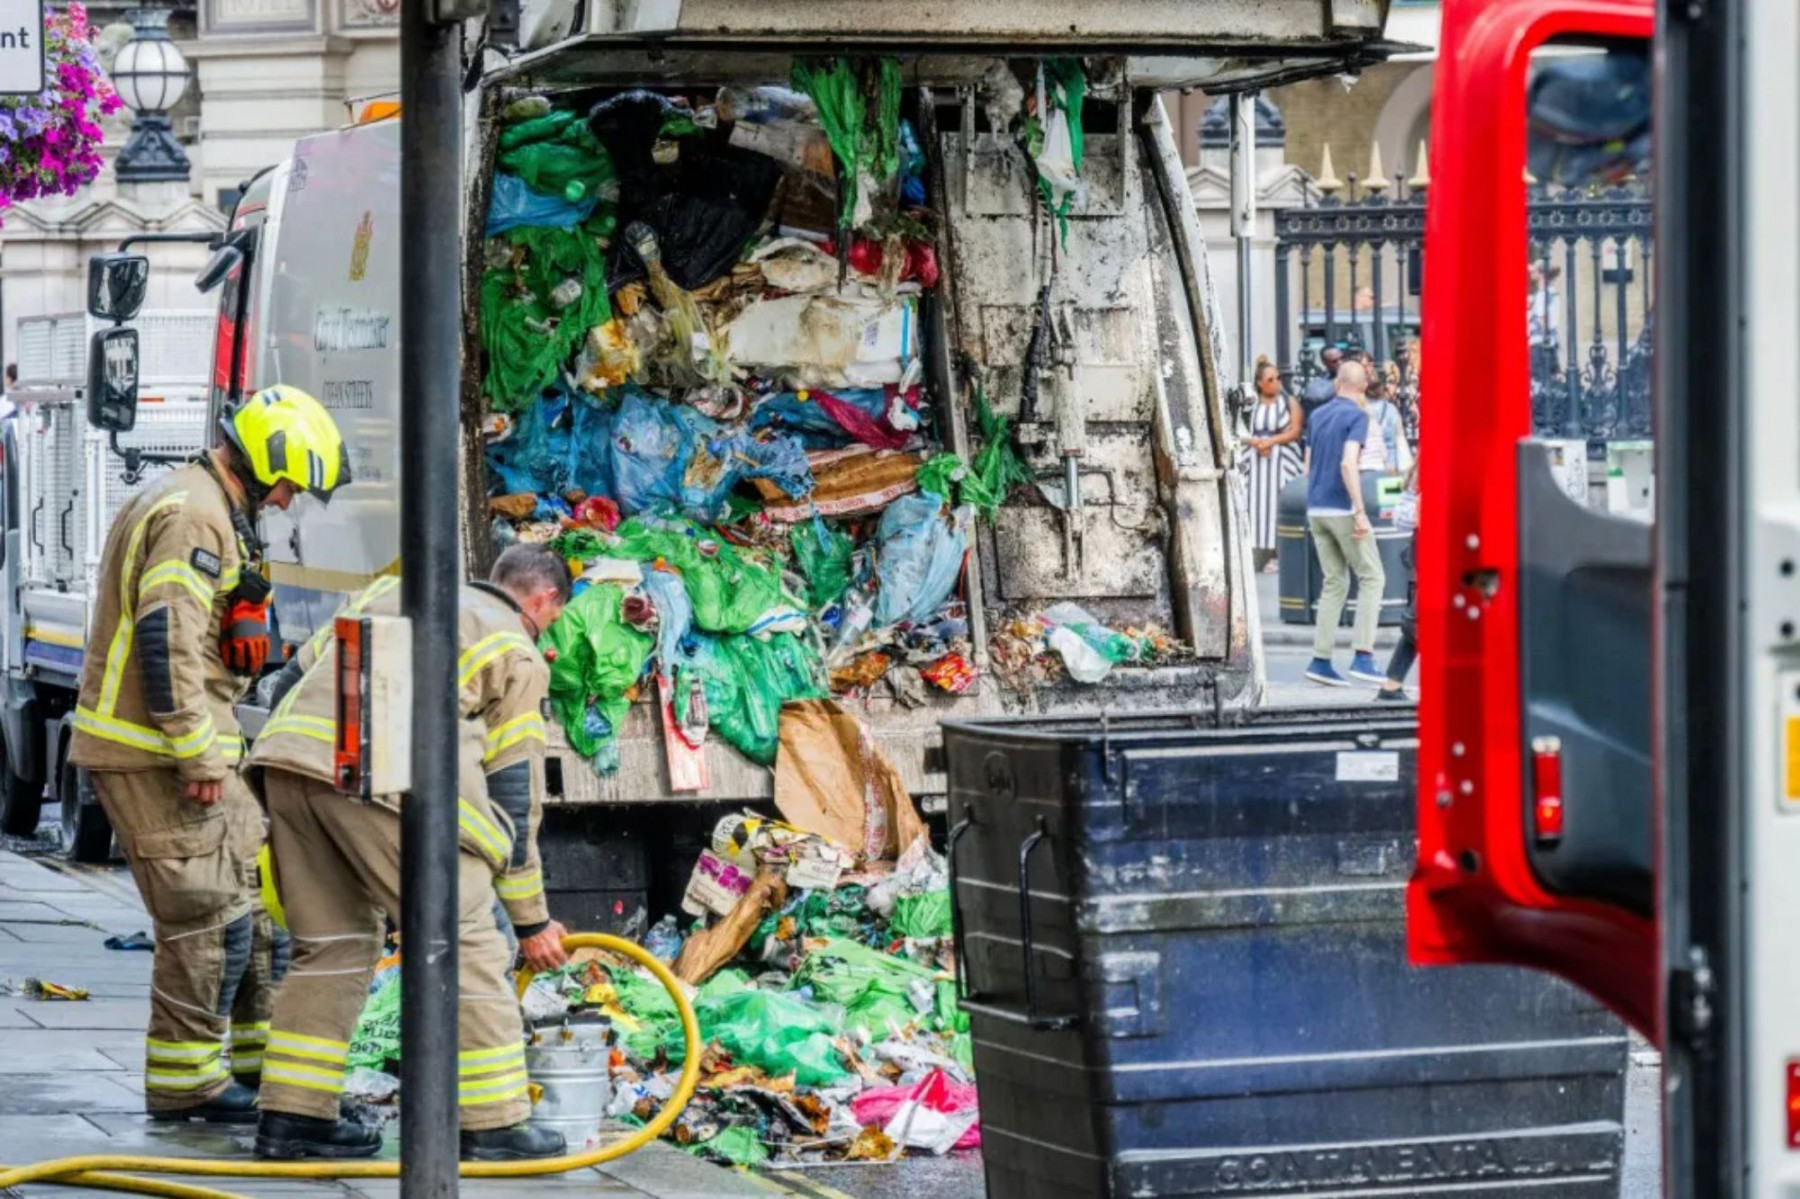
(102, 1170)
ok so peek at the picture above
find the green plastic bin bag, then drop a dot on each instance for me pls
(599, 657)
(779, 1033)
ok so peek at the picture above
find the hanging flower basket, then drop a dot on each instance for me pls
(50, 142)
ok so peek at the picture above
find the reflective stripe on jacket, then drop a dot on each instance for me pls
(154, 689)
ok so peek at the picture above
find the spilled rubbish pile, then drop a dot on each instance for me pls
(702, 321)
(817, 952)
(820, 962)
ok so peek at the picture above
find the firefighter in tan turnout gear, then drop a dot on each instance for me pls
(337, 863)
(183, 616)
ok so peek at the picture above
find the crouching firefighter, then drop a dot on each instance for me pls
(183, 614)
(337, 865)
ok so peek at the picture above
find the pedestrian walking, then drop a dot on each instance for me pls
(182, 609)
(1342, 531)
(337, 862)
(1271, 458)
(1400, 664)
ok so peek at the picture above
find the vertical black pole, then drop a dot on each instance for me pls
(430, 392)
(1284, 353)
(1573, 427)
(1330, 294)
(1380, 348)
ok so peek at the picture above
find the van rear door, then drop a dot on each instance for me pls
(1536, 793)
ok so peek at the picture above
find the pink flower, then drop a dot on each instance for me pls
(50, 143)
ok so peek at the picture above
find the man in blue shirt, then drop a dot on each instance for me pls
(1342, 532)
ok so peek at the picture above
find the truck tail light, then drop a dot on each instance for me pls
(1547, 790)
(1793, 1103)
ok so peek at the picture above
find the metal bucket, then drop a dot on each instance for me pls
(571, 1063)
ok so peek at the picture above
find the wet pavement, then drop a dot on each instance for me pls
(71, 1073)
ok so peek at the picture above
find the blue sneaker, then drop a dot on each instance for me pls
(1364, 670)
(1322, 671)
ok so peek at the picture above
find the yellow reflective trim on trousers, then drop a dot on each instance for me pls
(520, 886)
(492, 646)
(155, 1080)
(473, 1059)
(485, 832)
(326, 1073)
(123, 732)
(493, 1090)
(286, 1075)
(245, 1033)
(528, 727)
(299, 1045)
(181, 1051)
(178, 572)
(120, 648)
(244, 1063)
(231, 745)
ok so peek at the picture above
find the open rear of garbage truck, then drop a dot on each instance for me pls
(751, 321)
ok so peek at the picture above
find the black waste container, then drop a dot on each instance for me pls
(1218, 1000)
(1301, 578)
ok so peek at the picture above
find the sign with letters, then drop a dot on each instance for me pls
(21, 47)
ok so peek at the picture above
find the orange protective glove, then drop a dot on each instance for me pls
(244, 636)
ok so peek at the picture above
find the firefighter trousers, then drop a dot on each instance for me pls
(269, 950)
(337, 863)
(195, 870)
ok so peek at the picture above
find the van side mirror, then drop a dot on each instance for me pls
(112, 380)
(116, 285)
(225, 259)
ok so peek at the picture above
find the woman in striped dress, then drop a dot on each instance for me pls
(1271, 458)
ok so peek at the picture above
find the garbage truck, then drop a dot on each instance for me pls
(891, 338)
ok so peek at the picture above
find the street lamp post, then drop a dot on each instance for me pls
(151, 76)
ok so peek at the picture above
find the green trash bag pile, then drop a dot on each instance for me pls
(678, 375)
(545, 286)
(731, 639)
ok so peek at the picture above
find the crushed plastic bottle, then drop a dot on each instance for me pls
(763, 104)
(566, 293)
(693, 340)
(858, 615)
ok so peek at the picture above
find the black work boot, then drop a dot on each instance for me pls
(236, 1104)
(521, 1142)
(283, 1136)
